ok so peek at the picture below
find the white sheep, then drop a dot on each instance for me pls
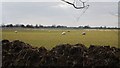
(63, 33)
(83, 33)
(16, 31)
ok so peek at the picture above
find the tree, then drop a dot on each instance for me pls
(40, 26)
(87, 26)
(22, 25)
(53, 26)
(9, 25)
(36, 26)
(29, 26)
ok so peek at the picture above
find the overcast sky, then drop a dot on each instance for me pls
(56, 0)
(59, 13)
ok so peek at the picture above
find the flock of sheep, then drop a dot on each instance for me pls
(63, 33)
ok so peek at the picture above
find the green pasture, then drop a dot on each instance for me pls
(52, 37)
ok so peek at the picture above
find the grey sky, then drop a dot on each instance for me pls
(55, 0)
(59, 13)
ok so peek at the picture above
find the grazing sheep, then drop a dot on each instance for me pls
(83, 33)
(63, 33)
(16, 31)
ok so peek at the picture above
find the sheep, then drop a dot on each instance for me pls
(83, 33)
(16, 31)
(63, 33)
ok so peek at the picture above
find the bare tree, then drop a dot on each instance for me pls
(84, 7)
(73, 4)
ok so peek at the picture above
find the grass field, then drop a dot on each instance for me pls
(52, 37)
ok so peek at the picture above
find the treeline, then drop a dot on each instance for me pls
(54, 26)
(33, 26)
